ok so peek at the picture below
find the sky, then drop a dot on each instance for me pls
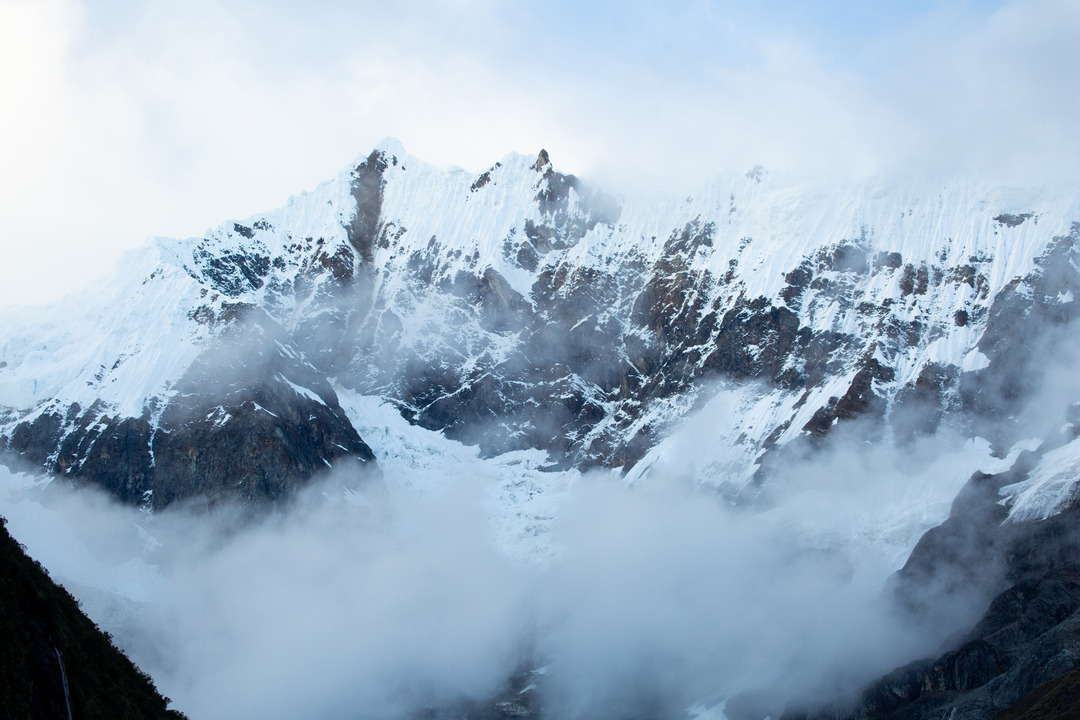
(125, 119)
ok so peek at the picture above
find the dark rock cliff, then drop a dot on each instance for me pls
(250, 420)
(1027, 577)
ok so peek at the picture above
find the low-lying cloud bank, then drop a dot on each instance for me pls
(359, 601)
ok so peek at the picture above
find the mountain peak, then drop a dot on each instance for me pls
(542, 160)
(391, 146)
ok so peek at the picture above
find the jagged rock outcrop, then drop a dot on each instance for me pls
(252, 410)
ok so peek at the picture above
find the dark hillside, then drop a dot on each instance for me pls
(54, 661)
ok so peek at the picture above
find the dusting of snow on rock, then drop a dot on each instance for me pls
(1048, 488)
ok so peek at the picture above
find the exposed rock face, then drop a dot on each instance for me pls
(250, 410)
(250, 420)
(1058, 699)
(367, 188)
(55, 663)
(1017, 341)
(35, 440)
(1022, 573)
(1029, 575)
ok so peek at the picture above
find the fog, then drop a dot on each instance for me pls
(373, 598)
(666, 598)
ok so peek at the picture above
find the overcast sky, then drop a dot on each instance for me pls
(123, 119)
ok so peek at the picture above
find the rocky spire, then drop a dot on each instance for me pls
(542, 160)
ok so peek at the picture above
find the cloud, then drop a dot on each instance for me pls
(994, 95)
(371, 604)
(381, 604)
(128, 120)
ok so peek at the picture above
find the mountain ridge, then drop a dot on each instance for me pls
(448, 292)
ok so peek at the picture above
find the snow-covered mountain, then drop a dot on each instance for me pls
(520, 308)
(400, 313)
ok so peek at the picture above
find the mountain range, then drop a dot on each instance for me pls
(729, 337)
